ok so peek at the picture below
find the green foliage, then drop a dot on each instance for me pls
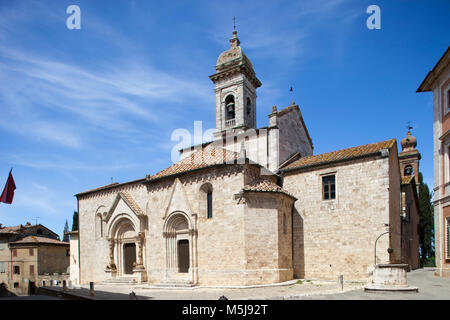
(65, 235)
(426, 224)
(431, 262)
(75, 221)
(299, 282)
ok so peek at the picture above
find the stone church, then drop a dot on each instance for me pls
(254, 206)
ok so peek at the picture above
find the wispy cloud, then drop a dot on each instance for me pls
(106, 100)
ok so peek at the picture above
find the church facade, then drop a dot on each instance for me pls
(254, 206)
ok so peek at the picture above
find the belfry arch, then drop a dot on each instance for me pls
(180, 245)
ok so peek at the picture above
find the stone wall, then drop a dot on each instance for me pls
(268, 238)
(293, 134)
(220, 258)
(74, 258)
(334, 237)
(53, 259)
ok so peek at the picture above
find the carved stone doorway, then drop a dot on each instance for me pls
(180, 249)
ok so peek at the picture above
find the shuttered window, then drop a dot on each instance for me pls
(16, 270)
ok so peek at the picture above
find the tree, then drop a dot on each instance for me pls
(426, 224)
(65, 235)
(75, 221)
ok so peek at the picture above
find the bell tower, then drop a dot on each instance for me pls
(409, 157)
(235, 86)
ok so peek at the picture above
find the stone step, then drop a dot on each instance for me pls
(121, 280)
(175, 283)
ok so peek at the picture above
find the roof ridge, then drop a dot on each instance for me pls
(204, 157)
(341, 155)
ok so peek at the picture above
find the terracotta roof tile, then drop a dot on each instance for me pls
(35, 239)
(340, 155)
(206, 157)
(129, 200)
(16, 229)
(264, 185)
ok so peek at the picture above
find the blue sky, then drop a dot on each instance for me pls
(81, 107)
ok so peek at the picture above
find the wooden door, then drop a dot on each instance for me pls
(183, 256)
(129, 255)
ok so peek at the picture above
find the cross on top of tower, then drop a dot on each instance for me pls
(234, 23)
(409, 127)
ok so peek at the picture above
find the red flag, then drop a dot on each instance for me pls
(8, 192)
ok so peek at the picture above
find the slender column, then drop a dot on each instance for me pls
(139, 248)
(111, 254)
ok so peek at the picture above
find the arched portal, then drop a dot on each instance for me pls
(180, 243)
(125, 243)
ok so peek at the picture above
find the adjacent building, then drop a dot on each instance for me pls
(438, 82)
(31, 256)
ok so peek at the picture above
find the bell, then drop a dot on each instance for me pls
(230, 107)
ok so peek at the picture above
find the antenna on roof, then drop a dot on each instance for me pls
(36, 218)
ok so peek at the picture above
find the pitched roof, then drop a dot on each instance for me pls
(109, 186)
(340, 155)
(206, 157)
(38, 240)
(21, 228)
(264, 185)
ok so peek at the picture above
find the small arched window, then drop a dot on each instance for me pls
(230, 107)
(249, 106)
(408, 171)
(209, 204)
(284, 224)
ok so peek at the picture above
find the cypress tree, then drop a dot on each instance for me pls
(65, 235)
(426, 224)
(75, 221)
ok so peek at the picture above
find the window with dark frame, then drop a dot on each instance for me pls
(14, 252)
(16, 285)
(329, 187)
(31, 269)
(31, 251)
(16, 270)
(209, 204)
